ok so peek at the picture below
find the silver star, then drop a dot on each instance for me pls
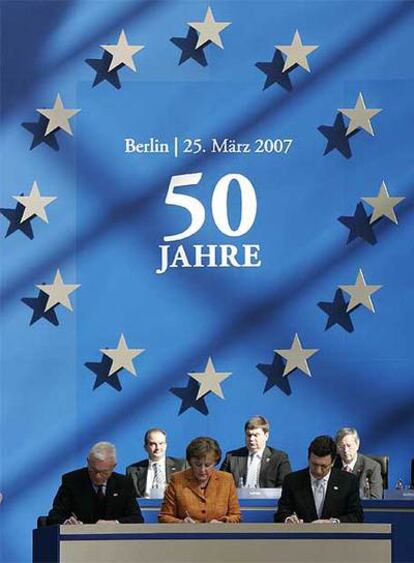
(58, 116)
(210, 380)
(296, 357)
(122, 356)
(209, 29)
(296, 52)
(360, 116)
(58, 292)
(360, 293)
(34, 204)
(122, 52)
(383, 205)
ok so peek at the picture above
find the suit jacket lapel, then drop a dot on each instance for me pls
(141, 477)
(264, 465)
(169, 468)
(242, 466)
(111, 495)
(358, 467)
(192, 484)
(214, 487)
(307, 497)
(329, 496)
(89, 497)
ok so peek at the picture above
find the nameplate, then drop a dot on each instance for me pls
(246, 493)
(399, 494)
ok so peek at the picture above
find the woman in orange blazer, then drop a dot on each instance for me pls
(201, 493)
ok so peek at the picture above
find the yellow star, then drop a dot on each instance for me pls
(360, 116)
(383, 205)
(34, 204)
(296, 52)
(122, 52)
(296, 357)
(210, 380)
(209, 29)
(360, 293)
(58, 116)
(58, 292)
(122, 356)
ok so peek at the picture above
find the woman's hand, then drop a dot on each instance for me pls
(189, 520)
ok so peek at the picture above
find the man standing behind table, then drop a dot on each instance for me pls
(320, 493)
(256, 464)
(155, 471)
(368, 471)
(95, 494)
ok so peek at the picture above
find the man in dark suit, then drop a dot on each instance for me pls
(257, 465)
(320, 493)
(95, 494)
(368, 471)
(155, 471)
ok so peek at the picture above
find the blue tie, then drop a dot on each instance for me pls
(319, 496)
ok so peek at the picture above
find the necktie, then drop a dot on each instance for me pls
(158, 480)
(101, 501)
(348, 469)
(252, 480)
(318, 487)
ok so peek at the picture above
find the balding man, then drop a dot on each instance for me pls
(155, 471)
(95, 494)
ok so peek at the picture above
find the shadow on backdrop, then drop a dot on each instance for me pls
(140, 205)
(187, 46)
(274, 374)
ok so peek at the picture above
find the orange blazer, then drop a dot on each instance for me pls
(183, 497)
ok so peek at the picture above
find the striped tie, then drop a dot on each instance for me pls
(158, 480)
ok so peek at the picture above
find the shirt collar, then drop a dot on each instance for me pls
(159, 462)
(259, 453)
(351, 465)
(324, 480)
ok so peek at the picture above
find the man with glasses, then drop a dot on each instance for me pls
(320, 493)
(155, 471)
(95, 494)
(366, 469)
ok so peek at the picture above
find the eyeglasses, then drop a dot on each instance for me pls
(96, 471)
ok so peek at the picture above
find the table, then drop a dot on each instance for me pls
(398, 513)
(213, 543)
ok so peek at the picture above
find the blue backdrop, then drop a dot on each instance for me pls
(110, 218)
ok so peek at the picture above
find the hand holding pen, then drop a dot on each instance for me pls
(293, 519)
(72, 520)
(188, 519)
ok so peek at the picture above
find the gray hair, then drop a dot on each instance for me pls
(342, 432)
(103, 451)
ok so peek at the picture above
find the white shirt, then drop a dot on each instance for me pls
(315, 483)
(254, 462)
(151, 474)
(95, 488)
(350, 465)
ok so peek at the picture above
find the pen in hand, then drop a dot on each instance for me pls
(293, 519)
(188, 518)
(73, 519)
